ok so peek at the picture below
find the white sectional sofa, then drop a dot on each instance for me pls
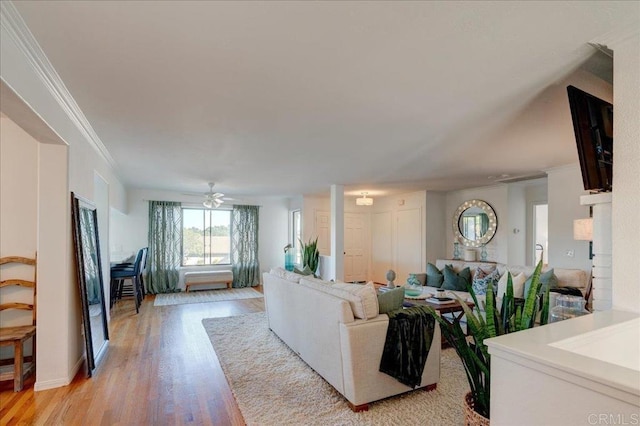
(566, 277)
(319, 321)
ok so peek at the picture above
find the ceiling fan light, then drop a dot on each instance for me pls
(208, 203)
(364, 201)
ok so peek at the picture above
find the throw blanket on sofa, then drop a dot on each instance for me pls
(407, 346)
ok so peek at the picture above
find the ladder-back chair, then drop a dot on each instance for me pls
(16, 336)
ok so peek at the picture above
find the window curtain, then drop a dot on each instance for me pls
(484, 224)
(165, 246)
(244, 246)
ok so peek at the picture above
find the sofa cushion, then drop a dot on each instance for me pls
(456, 281)
(362, 298)
(435, 278)
(285, 275)
(390, 300)
(518, 284)
(481, 280)
(547, 278)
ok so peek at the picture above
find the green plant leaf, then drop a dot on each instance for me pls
(490, 311)
(530, 303)
(544, 314)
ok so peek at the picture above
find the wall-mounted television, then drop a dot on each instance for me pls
(593, 126)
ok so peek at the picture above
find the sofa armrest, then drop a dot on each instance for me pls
(362, 344)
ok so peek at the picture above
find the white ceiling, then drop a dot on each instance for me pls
(283, 98)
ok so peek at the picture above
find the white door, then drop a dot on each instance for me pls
(323, 231)
(408, 244)
(355, 265)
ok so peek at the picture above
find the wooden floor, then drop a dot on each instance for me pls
(160, 369)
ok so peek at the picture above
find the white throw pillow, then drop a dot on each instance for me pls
(367, 306)
(518, 284)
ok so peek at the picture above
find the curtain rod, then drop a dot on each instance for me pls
(200, 204)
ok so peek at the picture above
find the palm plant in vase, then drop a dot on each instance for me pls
(511, 317)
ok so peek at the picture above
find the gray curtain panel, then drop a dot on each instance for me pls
(165, 246)
(244, 246)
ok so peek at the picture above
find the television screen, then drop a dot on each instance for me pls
(593, 126)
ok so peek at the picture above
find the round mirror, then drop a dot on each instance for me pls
(474, 223)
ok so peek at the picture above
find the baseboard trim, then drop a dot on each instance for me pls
(57, 383)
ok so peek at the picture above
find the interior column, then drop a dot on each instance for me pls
(337, 231)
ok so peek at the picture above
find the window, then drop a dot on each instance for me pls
(296, 234)
(206, 237)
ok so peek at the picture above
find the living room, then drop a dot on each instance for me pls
(49, 142)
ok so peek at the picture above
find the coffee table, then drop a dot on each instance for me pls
(454, 308)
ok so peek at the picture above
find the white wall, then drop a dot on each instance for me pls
(18, 217)
(564, 191)
(626, 180)
(60, 345)
(436, 226)
(517, 224)
(130, 230)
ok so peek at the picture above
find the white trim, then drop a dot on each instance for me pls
(617, 35)
(56, 383)
(27, 44)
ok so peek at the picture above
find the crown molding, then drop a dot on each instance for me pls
(617, 36)
(26, 43)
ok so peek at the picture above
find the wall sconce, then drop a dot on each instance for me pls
(364, 201)
(583, 231)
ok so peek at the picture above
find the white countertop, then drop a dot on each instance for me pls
(561, 347)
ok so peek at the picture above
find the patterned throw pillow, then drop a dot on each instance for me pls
(481, 281)
(456, 281)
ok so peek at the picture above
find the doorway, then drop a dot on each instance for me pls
(540, 233)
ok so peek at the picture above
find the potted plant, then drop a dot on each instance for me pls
(310, 255)
(473, 353)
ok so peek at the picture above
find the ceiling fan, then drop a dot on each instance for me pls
(213, 200)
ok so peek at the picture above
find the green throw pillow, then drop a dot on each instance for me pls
(391, 300)
(546, 278)
(456, 281)
(434, 276)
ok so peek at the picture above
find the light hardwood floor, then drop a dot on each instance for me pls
(160, 370)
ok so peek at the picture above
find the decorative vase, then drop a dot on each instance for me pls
(412, 288)
(483, 253)
(456, 251)
(289, 260)
(471, 417)
(567, 307)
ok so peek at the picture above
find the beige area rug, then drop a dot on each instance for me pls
(206, 296)
(273, 386)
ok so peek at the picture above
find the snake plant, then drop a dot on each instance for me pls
(310, 255)
(511, 317)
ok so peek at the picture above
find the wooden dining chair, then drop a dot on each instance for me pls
(18, 335)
